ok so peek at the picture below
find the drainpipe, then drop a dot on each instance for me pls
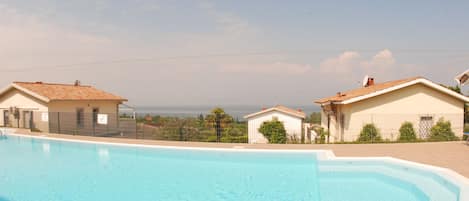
(328, 127)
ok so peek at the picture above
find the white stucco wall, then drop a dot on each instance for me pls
(67, 110)
(71, 106)
(25, 102)
(389, 111)
(292, 124)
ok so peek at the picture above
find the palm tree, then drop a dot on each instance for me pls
(219, 119)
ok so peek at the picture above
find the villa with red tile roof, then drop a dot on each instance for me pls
(42, 106)
(389, 104)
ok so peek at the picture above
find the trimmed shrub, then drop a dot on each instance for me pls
(274, 131)
(407, 132)
(369, 133)
(441, 131)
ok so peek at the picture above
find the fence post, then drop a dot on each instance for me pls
(136, 131)
(76, 128)
(58, 122)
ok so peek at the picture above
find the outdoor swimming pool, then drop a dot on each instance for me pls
(34, 169)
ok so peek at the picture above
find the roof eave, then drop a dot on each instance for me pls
(117, 100)
(328, 102)
(35, 95)
(274, 109)
(413, 82)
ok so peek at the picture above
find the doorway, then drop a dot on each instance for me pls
(6, 118)
(27, 119)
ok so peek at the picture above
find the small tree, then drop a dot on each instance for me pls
(441, 131)
(407, 132)
(219, 119)
(369, 133)
(274, 131)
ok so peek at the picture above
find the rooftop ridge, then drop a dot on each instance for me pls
(378, 88)
(281, 108)
(49, 83)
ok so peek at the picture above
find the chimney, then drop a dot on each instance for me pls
(77, 83)
(371, 82)
(39, 82)
(300, 110)
(264, 108)
(339, 94)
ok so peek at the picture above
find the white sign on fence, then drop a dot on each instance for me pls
(102, 118)
(45, 116)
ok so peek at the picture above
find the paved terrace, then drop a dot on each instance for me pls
(452, 155)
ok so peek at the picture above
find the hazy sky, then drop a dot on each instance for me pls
(231, 52)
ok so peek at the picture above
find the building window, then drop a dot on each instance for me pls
(95, 115)
(80, 117)
(425, 125)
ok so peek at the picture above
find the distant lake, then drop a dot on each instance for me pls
(187, 111)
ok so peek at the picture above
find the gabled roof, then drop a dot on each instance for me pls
(59, 92)
(385, 87)
(279, 108)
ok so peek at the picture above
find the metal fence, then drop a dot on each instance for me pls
(203, 129)
(87, 124)
(136, 127)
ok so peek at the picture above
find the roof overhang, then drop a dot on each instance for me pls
(274, 109)
(24, 90)
(116, 100)
(47, 100)
(397, 87)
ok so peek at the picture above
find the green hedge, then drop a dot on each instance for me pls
(212, 139)
(235, 139)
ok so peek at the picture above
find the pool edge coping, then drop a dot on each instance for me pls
(323, 154)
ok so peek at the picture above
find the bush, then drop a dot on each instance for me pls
(274, 132)
(441, 131)
(466, 130)
(407, 132)
(369, 133)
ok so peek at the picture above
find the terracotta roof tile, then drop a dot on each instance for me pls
(364, 90)
(54, 91)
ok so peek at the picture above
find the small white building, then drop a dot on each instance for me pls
(292, 121)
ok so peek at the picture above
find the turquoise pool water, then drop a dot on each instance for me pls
(49, 170)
